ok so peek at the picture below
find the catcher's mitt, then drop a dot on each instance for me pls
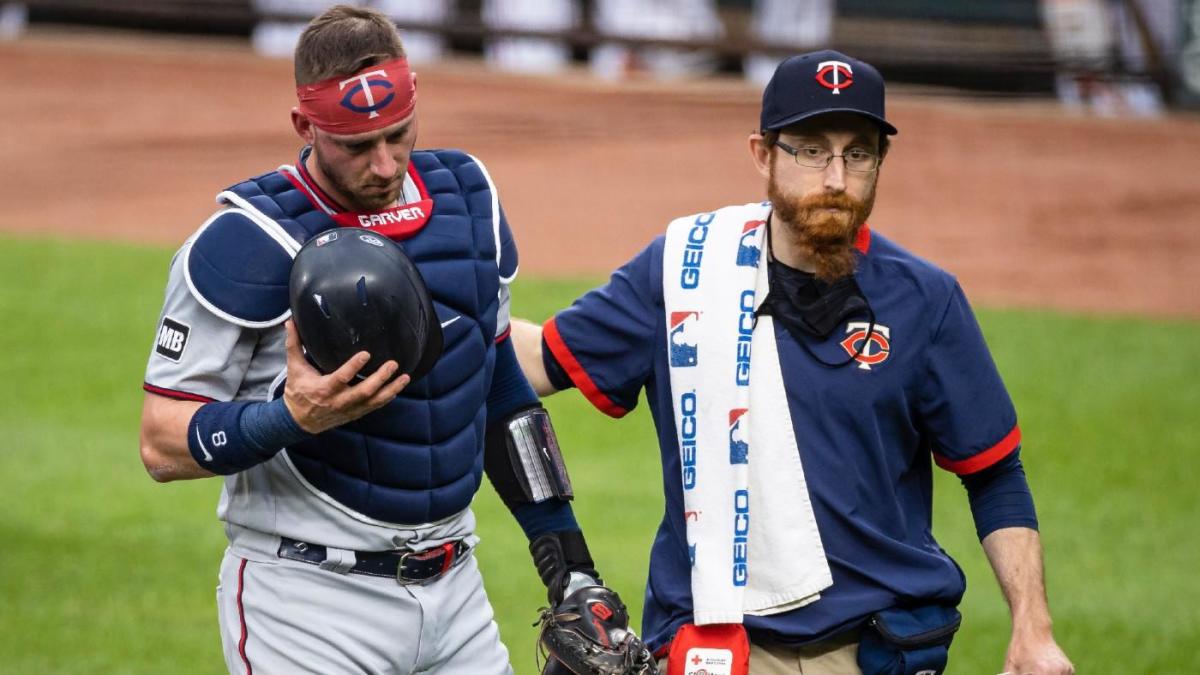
(588, 633)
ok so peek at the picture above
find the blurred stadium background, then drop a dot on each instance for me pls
(1048, 156)
(1102, 53)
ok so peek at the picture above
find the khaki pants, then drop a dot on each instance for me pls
(827, 658)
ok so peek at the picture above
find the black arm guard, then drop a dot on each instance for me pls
(522, 459)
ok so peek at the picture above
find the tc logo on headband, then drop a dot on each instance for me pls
(835, 75)
(364, 85)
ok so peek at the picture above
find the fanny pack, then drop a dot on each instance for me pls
(713, 649)
(908, 640)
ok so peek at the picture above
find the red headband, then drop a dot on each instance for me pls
(375, 97)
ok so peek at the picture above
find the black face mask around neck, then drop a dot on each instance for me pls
(810, 308)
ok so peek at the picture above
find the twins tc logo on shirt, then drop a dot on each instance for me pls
(877, 348)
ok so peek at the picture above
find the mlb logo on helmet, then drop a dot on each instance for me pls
(748, 246)
(739, 449)
(684, 351)
(877, 348)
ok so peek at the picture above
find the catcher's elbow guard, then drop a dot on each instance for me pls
(523, 461)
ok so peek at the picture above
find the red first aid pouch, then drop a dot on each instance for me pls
(715, 649)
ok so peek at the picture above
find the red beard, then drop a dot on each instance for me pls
(824, 238)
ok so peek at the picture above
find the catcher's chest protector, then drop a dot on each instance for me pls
(420, 458)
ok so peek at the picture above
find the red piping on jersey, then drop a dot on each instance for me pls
(242, 618)
(504, 336)
(412, 172)
(984, 459)
(576, 372)
(177, 395)
(862, 241)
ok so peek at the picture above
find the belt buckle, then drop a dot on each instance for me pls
(449, 551)
(400, 578)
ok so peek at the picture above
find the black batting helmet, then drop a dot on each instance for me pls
(351, 290)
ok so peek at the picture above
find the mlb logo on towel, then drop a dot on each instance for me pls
(748, 247)
(739, 449)
(684, 347)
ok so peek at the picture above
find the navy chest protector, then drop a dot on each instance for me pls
(420, 458)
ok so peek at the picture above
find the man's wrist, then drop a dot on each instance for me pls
(226, 437)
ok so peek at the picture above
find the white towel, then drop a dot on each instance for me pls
(753, 539)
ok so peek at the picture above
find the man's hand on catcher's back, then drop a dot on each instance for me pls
(320, 402)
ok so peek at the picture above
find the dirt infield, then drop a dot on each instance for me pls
(130, 137)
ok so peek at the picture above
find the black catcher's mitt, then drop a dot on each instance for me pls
(588, 633)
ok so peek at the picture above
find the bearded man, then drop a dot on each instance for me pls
(804, 374)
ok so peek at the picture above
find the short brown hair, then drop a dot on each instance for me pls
(344, 40)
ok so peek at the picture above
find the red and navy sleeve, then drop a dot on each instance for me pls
(606, 341)
(964, 405)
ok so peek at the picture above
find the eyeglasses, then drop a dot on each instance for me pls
(816, 157)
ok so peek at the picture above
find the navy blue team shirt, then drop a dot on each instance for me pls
(930, 392)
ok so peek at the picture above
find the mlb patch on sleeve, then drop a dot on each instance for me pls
(172, 339)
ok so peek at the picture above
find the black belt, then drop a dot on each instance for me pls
(406, 567)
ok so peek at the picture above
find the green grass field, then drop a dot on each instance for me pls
(104, 571)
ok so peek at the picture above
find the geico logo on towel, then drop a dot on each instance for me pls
(683, 347)
(741, 530)
(748, 248)
(687, 438)
(693, 251)
(741, 374)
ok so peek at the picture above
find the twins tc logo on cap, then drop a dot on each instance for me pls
(877, 348)
(835, 75)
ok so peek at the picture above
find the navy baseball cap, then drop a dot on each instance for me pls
(822, 82)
